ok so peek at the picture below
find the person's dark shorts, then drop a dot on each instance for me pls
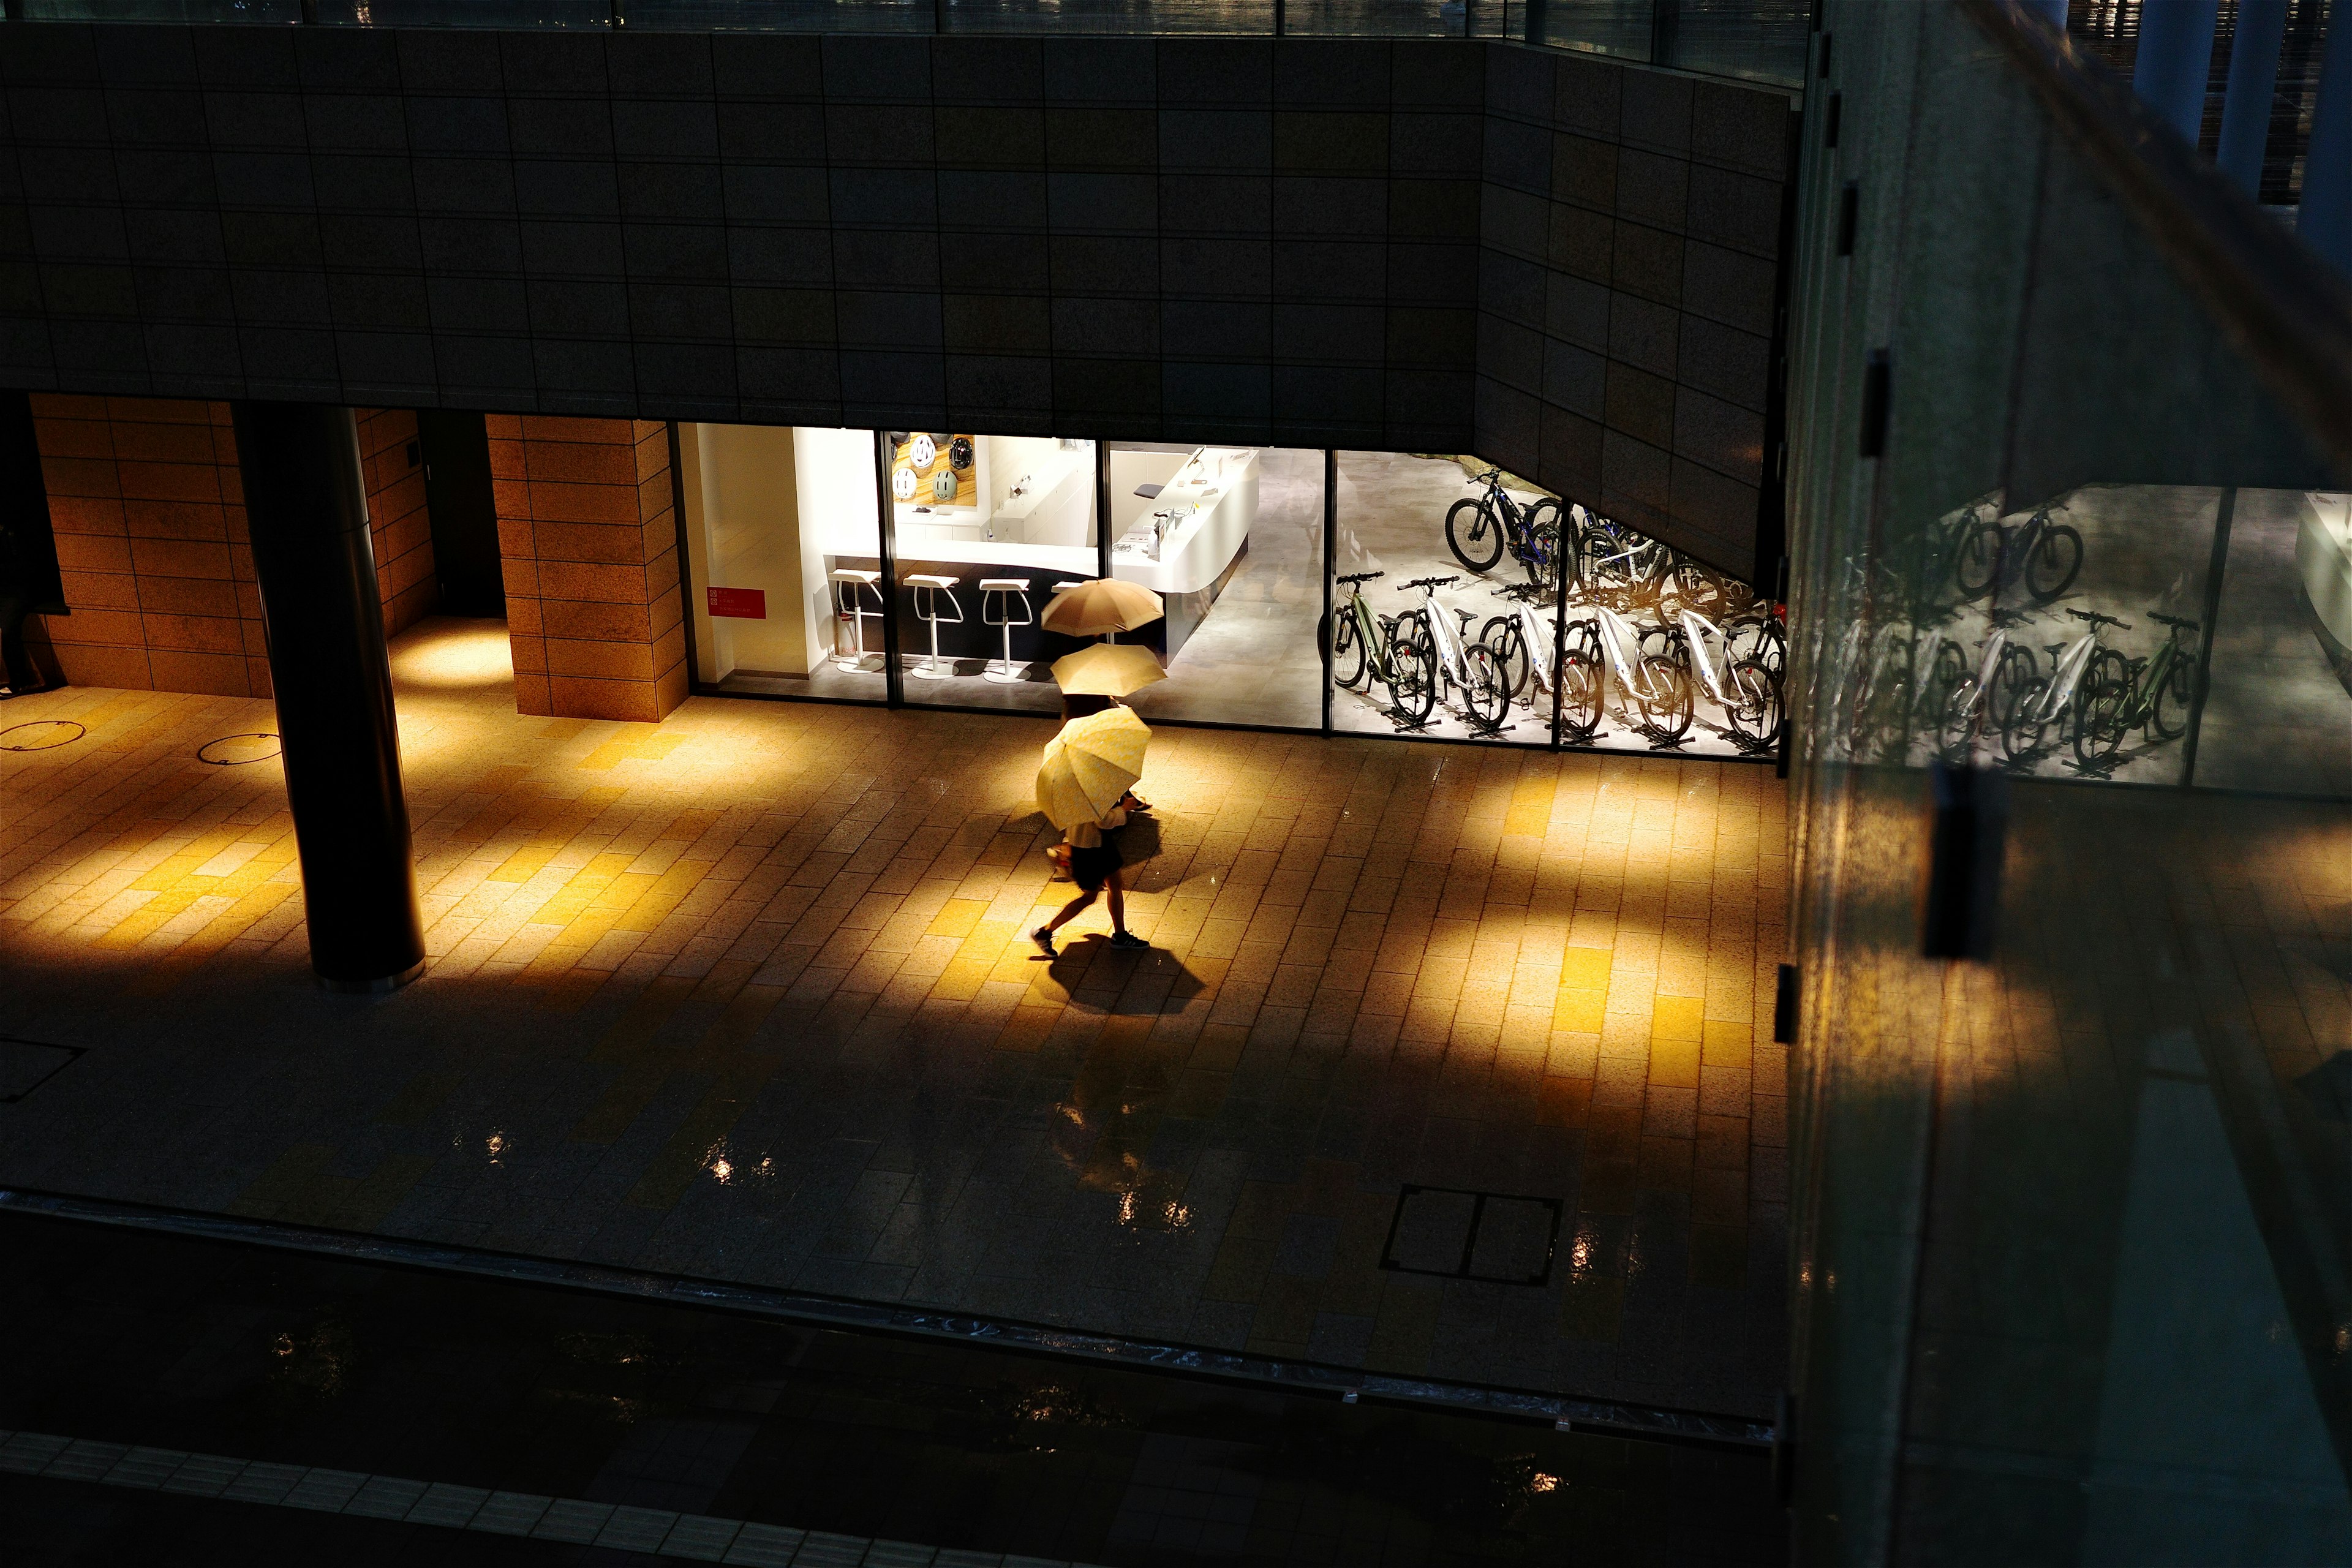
(1090, 868)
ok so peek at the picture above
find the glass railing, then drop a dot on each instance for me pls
(1753, 40)
(2071, 1091)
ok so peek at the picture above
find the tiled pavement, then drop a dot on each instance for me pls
(747, 994)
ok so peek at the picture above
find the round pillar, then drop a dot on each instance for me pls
(306, 511)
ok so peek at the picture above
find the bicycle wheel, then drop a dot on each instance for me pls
(1584, 639)
(1486, 697)
(1541, 557)
(2175, 699)
(1756, 710)
(2018, 717)
(1945, 677)
(1412, 680)
(1976, 566)
(2057, 556)
(1696, 588)
(1511, 645)
(1579, 696)
(1348, 658)
(1667, 703)
(1474, 535)
(2099, 704)
(1956, 727)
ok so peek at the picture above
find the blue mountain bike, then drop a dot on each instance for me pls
(1479, 529)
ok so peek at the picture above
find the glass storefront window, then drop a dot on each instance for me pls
(988, 529)
(1424, 634)
(1231, 538)
(1476, 569)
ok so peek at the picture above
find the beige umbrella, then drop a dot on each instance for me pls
(1090, 765)
(1103, 604)
(1109, 670)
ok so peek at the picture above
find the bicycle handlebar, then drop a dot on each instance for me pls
(1428, 582)
(1361, 576)
(2097, 619)
(2172, 620)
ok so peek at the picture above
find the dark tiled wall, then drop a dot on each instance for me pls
(1245, 239)
(1627, 292)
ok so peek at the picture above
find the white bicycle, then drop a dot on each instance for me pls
(1470, 669)
(1745, 685)
(1652, 688)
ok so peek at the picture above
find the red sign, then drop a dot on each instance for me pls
(743, 604)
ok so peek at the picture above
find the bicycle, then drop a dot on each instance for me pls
(1993, 555)
(2003, 670)
(2099, 693)
(1525, 653)
(1746, 689)
(1364, 647)
(1479, 529)
(1471, 669)
(1651, 684)
(2120, 693)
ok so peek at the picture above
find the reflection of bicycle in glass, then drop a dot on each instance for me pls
(1652, 686)
(1973, 698)
(1471, 669)
(2105, 694)
(1993, 555)
(1365, 648)
(1479, 529)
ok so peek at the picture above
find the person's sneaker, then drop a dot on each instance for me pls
(1128, 940)
(1043, 938)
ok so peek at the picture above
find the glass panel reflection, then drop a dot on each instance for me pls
(784, 549)
(1231, 539)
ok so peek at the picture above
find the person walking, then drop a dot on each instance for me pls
(1095, 867)
(17, 598)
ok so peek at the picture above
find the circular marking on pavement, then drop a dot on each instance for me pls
(40, 735)
(230, 751)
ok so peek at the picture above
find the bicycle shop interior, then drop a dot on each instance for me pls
(796, 593)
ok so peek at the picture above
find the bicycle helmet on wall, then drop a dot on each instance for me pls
(943, 485)
(923, 452)
(896, 438)
(902, 482)
(959, 453)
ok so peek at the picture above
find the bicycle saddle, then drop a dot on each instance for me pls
(2097, 619)
(1466, 618)
(1361, 576)
(2172, 620)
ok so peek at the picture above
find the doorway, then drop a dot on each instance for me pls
(456, 448)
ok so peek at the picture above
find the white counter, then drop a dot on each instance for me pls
(2323, 557)
(1197, 549)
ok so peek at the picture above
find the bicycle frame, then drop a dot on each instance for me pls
(1622, 643)
(2142, 707)
(1539, 646)
(2058, 698)
(1368, 627)
(1696, 630)
(1444, 638)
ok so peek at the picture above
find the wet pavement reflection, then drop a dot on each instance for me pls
(135, 1337)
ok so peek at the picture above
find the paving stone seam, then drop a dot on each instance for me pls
(398, 1499)
(1564, 1412)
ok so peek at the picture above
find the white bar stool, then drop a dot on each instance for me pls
(927, 588)
(850, 602)
(1004, 591)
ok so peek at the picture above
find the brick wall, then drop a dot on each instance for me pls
(590, 550)
(149, 512)
(397, 517)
